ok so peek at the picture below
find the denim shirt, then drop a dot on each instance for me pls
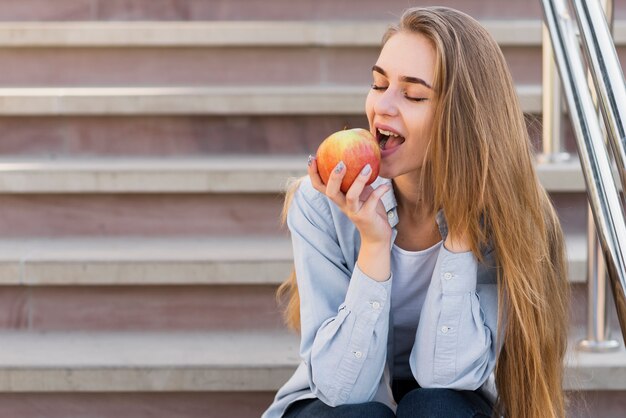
(346, 342)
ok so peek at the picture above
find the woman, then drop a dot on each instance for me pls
(414, 292)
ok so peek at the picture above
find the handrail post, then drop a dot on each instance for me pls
(552, 109)
(598, 330)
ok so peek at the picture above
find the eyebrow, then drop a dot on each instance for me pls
(407, 79)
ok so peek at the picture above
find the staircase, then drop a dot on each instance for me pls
(144, 148)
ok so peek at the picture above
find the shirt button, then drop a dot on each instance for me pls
(376, 305)
(444, 330)
(391, 215)
(447, 276)
(358, 354)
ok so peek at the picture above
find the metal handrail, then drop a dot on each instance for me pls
(602, 190)
(598, 338)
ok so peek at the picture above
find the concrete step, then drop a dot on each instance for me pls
(172, 66)
(223, 174)
(152, 261)
(133, 261)
(217, 53)
(287, 51)
(179, 197)
(262, 33)
(190, 136)
(192, 375)
(211, 375)
(132, 284)
(226, 101)
(189, 362)
(145, 362)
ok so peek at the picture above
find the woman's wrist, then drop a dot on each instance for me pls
(375, 260)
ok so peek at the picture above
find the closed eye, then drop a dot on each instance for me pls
(413, 99)
(416, 99)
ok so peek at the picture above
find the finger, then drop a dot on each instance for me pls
(372, 201)
(316, 180)
(333, 186)
(367, 191)
(353, 196)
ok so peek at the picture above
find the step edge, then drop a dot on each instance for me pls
(191, 175)
(507, 32)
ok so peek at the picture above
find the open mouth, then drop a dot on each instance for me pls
(388, 140)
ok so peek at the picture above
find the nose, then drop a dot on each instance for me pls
(385, 103)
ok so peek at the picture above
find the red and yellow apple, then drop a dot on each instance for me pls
(356, 148)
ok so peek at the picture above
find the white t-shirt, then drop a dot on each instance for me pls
(412, 272)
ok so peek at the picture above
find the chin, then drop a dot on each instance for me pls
(391, 173)
(387, 173)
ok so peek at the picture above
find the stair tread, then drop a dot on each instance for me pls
(207, 100)
(519, 32)
(224, 173)
(146, 349)
(217, 249)
(144, 261)
(109, 361)
(258, 260)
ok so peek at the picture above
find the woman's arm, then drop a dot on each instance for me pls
(455, 340)
(344, 314)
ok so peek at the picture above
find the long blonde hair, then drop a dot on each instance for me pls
(479, 169)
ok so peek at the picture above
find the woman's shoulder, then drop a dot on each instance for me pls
(304, 202)
(303, 191)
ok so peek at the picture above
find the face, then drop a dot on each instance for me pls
(400, 104)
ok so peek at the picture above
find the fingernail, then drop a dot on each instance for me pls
(366, 170)
(339, 167)
(311, 158)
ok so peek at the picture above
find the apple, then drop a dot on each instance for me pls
(356, 148)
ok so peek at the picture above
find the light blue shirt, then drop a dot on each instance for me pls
(346, 342)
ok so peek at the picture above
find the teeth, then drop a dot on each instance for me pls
(388, 133)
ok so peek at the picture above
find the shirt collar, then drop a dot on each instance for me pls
(391, 207)
(389, 198)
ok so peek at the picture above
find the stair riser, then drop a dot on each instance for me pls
(244, 10)
(140, 308)
(175, 214)
(579, 308)
(64, 10)
(136, 405)
(152, 308)
(168, 136)
(596, 404)
(213, 66)
(605, 404)
(140, 215)
(172, 136)
(67, 10)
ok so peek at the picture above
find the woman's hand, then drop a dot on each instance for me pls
(362, 205)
